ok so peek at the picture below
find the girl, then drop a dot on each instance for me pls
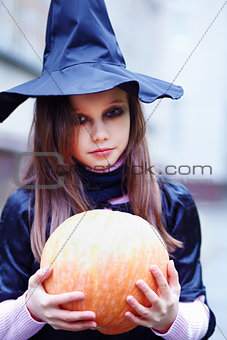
(88, 116)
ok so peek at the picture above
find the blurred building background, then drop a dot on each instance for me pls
(164, 39)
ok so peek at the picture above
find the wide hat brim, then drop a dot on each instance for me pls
(87, 78)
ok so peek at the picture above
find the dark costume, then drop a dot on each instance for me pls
(181, 220)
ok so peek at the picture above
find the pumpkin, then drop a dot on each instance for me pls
(102, 253)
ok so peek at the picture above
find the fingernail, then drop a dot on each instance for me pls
(93, 325)
(91, 315)
(154, 268)
(79, 295)
(140, 283)
(45, 269)
(129, 298)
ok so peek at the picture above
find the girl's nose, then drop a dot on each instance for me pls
(99, 132)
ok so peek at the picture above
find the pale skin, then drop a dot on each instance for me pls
(164, 309)
(105, 123)
(47, 307)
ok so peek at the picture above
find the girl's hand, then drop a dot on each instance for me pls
(164, 309)
(46, 307)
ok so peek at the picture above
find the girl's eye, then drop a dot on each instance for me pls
(81, 119)
(115, 112)
(112, 113)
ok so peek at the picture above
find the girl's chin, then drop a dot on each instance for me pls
(101, 166)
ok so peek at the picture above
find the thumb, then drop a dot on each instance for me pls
(41, 275)
(46, 272)
(172, 275)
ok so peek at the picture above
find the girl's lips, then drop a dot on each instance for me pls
(102, 153)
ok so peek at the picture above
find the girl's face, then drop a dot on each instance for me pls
(104, 127)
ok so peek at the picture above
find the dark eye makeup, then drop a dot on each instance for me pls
(81, 119)
(114, 112)
(111, 113)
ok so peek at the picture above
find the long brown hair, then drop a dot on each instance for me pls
(53, 131)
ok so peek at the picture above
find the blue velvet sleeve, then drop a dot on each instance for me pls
(181, 219)
(182, 222)
(16, 258)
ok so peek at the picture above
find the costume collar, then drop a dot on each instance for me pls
(102, 186)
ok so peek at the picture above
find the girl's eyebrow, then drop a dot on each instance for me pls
(118, 101)
(111, 103)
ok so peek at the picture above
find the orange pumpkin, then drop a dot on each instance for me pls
(102, 253)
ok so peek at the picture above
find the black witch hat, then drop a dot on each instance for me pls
(82, 56)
